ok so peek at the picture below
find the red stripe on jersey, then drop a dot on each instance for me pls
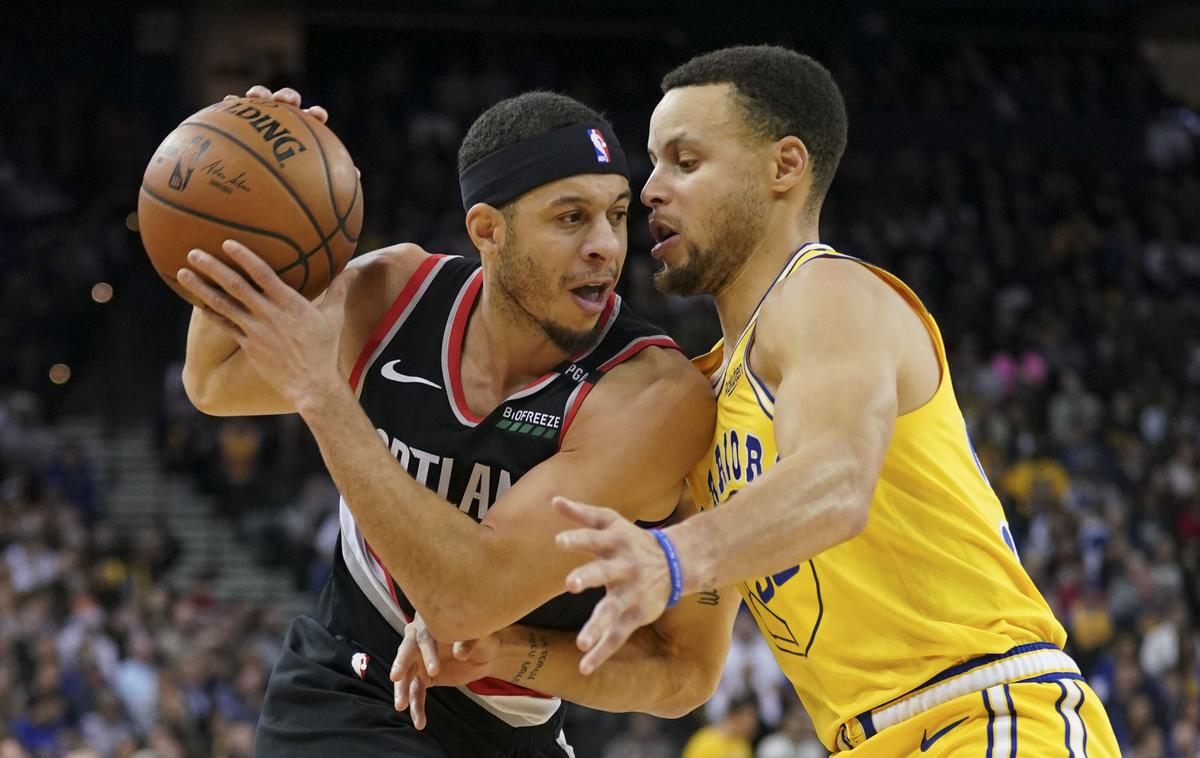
(637, 346)
(391, 583)
(583, 392)
(490, 686)
(458, 329)
(385, 324)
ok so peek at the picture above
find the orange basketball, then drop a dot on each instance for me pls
(263, 173)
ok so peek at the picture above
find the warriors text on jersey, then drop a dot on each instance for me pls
(932, 581)
(407, 380)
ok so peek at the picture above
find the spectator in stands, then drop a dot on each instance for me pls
(730, 736)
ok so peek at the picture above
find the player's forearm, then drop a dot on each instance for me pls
(219, 378)
(408, 526)
(207, 348)
(647, 674)
(796, 510)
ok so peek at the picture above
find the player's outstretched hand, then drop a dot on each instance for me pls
(628, 563)
(423, 662)
(284, 95)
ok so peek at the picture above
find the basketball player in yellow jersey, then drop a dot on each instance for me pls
(864, 537)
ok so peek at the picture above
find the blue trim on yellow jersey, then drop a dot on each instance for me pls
(754, 389)
(1082, 723)
(982, 660)
(868, 726)
(1066, 724)
(991, 738)
(1012, 720)
(1052, 677)
(750, 370)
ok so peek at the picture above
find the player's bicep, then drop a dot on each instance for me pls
(629, 451)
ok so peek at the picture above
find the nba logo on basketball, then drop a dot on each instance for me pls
(602, 154)
(359, 664)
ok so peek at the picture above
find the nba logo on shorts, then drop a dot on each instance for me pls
(359, 664)
(601, 147)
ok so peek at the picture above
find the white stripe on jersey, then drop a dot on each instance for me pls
(514, 710)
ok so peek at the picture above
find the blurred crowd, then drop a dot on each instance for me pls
(1044, 204)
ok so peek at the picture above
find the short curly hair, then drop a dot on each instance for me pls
(519, 118)
(781, 93)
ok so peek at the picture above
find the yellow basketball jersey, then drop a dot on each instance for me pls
(933, 580)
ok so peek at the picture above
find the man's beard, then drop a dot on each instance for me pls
(708, 270)
(524, 283)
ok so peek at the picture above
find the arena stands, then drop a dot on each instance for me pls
(1040, 193)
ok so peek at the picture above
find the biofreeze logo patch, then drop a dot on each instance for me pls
(533, 423)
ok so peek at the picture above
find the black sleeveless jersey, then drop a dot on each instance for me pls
(407, 381)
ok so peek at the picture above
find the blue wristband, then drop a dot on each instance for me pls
(673, 564)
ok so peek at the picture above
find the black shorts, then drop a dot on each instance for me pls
(316, 706)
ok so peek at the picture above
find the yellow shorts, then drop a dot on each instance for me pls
(1041, 719)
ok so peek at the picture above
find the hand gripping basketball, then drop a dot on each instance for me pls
(259, 170)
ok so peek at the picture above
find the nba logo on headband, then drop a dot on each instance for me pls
(601, 147)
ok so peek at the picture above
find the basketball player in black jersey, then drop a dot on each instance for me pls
(451, 401)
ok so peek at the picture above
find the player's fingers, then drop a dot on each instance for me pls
(416, 705)
(405, 654)
(259, 91)
(213, 298)
(287, 95)
(232, 97)
(221, 322)
(601, 542)
(230, 282)
(610, 643)
(587, 515)
(606, 613)
(429, 652)
(400, 690)
(259, 271)
(598, 573)
(317, 112)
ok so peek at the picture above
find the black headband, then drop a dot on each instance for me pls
(583, 148)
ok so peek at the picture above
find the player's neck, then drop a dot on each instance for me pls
(503, 352)
(737, 300)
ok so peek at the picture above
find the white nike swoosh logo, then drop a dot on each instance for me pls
(389, 372)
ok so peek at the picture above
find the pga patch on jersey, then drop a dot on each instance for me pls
(359, 664)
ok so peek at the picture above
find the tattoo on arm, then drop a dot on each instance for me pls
(709, 597)
(535, 659)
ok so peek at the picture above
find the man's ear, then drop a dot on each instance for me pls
(793, 165)
(487, 228)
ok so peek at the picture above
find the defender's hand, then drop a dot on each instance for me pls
(628, 563)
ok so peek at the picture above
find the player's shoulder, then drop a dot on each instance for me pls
(395, 262)
(836, 295)
(654, 377)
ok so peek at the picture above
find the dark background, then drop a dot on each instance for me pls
(1029, 168)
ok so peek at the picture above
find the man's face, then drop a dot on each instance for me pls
(563, 252)
(707, 193)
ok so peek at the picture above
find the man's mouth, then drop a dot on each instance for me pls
(664, 236)
(592, 295)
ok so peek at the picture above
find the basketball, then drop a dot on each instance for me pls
(263, 173)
